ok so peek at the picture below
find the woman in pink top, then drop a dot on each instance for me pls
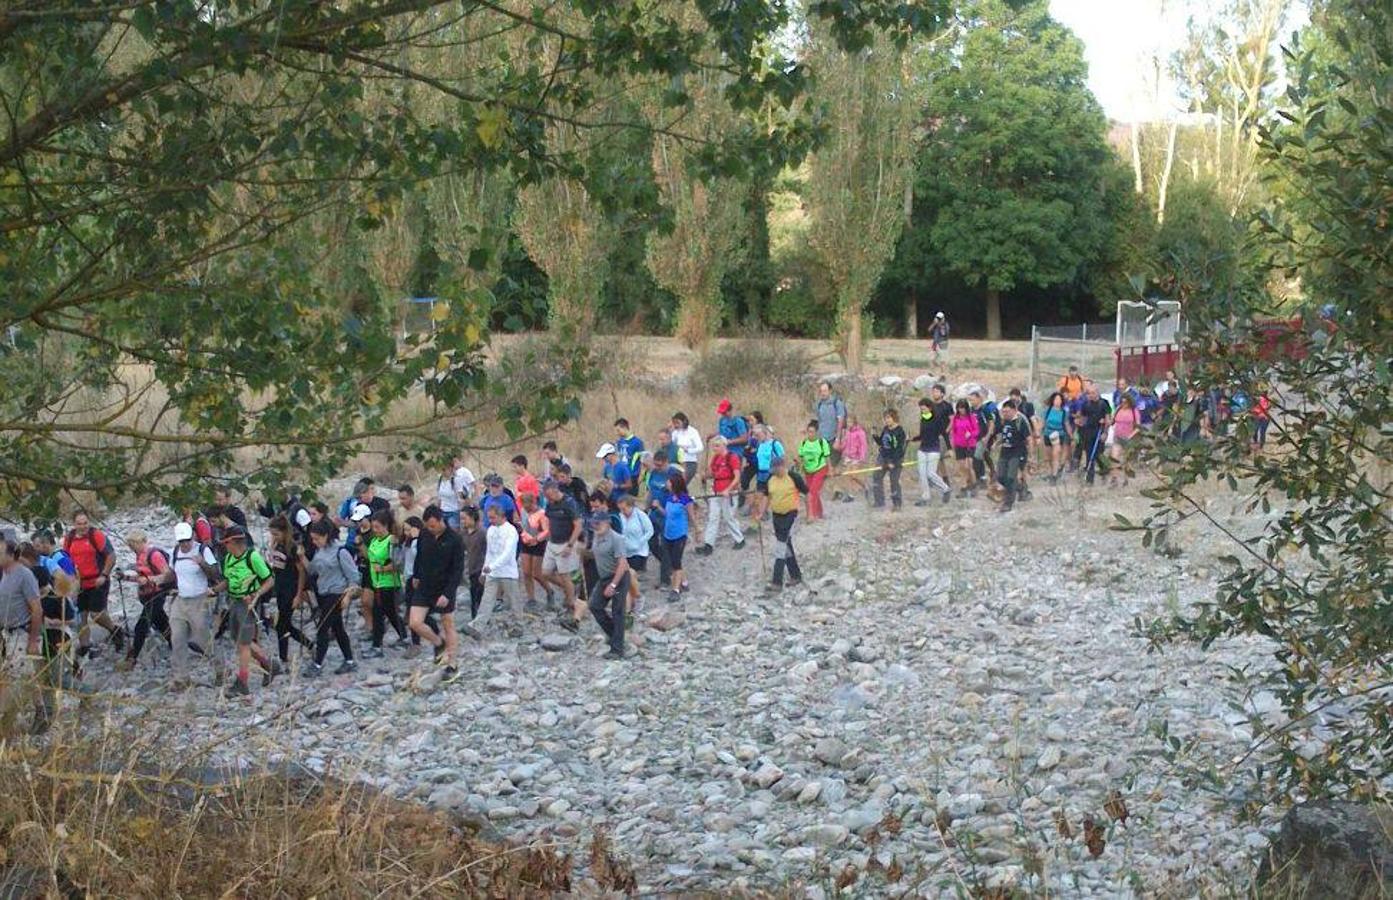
(532, 544)
(1125, 422)
(855, 448)
(963, 432)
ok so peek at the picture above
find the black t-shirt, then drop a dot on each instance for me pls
(562, 516)
(237, 516)
(377, 504)
(1014, 437)
(1092, 413)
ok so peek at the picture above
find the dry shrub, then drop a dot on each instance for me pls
(756, 359)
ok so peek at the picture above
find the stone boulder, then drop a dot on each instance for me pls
(1332, 849)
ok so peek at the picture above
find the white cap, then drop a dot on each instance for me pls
(302, 518)
(361, 512)
(183, 531)
(938, 315)
(605, 450)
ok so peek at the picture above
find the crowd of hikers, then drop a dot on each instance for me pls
(545, 542)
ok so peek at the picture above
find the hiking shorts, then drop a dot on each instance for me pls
(241, 621)
(93, 599)
(558, 563)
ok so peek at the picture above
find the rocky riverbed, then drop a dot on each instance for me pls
(952, 697)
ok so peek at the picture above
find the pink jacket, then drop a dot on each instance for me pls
(854, 444)
(965, 430)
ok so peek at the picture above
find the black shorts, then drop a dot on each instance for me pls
(533, 549)
(424, 602)
(638, 563)
(962, 453)
(674, 550)
(93, 599)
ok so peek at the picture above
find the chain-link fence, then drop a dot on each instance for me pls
(1054, 348)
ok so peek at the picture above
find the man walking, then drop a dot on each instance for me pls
(934, 416)
(436, 575)
(608, 598)
(248, 580)
(1015, 450)
(561, 560)
(194, 570)
(830, 411)
(94, 557)
(1093, 424)
(723, 474)
(938, 334)
(22, 610)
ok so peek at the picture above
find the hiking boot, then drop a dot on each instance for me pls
(738, 545)
(773, 588)
(373, 653)
(921, 503)
(238, 688)
(674, 597)
(347, 667)
(704, 550)
(569, 624)
(313, 670)
(617, 655)
(270, 674)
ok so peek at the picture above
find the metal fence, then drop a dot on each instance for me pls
(1054, 348)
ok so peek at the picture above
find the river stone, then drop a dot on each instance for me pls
(1331, 849)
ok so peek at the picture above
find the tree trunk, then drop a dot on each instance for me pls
(1136, 158)
(993, 315)
(853, 339)
(1166, 175)
(911, 314)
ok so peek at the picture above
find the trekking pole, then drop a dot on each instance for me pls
(121, 596)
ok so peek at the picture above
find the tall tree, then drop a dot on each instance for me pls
(1014, 168)
(856, 178)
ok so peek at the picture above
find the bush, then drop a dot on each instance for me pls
(757, 359)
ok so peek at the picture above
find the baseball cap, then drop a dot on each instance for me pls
(302, 518)
(939, 315)
(493, 478)
(724, 406)
(360, 512)
(605, 450)
(183, 531)
(234, 533)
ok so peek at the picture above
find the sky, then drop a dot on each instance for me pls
(1121, 36)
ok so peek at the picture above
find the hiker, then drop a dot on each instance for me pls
(637, 529)
(436, 576)
(1071, 384)
(723, 479)
(196, 578)
(454, 489)
(938, 335)
(1093, 419)
(785, 490)
(750, 452)
(497, 495)
(815, 455)
(287, 562)
(689, 445)
(629, 445)
(385, 581)
(561, 560)
(533, 537)
(856, 449)
(248, 581)
(660, 472)
(551, 458)
(1055, 431)
(1015, 452)
(334, 574)
(524, 482)
(21, 609)
(617, 471)
(500, 571)
(408, 504)
(733, 428)
(890, 445)
(676, 528)
(609, 595)
(475, 538)
(1126, 422)
(572, 486)
(963, 432)
(988, 423)
(932, 426)
(152, 589)
(94, 558)
(769, 449)
(830, 413)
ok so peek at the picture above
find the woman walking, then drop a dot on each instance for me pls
(963, 435)
(1125, 423)
(676, 528)
(689, 444)
(288, 571)
(785, 491)
(533, 543)
(152, 588)
(335, 577)
(386, 581)
(1054, 429)
(815, 453)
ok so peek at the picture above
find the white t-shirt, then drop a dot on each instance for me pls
(501, 555)
(448, 490)
(193, 584)
(689, 444)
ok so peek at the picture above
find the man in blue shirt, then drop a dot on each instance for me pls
(617, 471)
(628, 444)
(494, 495)
(731, 427)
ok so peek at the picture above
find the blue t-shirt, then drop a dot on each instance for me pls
(732, 427)
(629, 449)
(1055, 420)
(657, 486)
(675, 517)
(619, 473)
(765, 456)
(502, 501)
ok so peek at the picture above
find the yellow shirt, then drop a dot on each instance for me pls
(783, 493)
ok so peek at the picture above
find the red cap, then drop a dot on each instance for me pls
(723, 407)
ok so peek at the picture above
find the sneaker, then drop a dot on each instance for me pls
(921, 503)
(685, 588)
(238, 688)
(795, 583)
(347, 667)
(569, 624)
(373, 653)
(617, 655)
(270, 674)
(313, 670)
(738, 545)
(771, 589)
(674, 597)
(704, 550)
(118, 640)
(451, 675)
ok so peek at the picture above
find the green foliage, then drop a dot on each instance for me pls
(1313, 577)
(1201, 248)
(204, 205)
(761, 359)
(1013, 176)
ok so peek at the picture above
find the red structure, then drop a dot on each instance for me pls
(1147, 363)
